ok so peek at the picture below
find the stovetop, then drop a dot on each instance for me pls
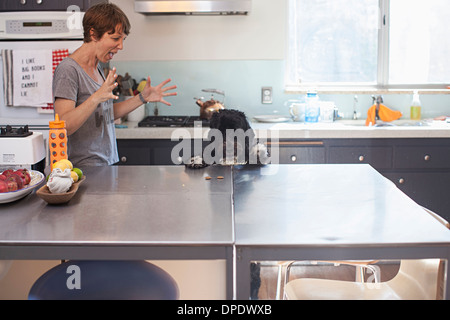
(19, 132)
(173, 121)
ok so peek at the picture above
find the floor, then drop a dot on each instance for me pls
(269, 274)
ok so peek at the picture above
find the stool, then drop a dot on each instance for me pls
(105, 280)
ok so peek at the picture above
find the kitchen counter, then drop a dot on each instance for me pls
(291, 130)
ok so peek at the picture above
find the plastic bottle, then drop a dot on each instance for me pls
(57, 140)
(312, 108)
(416, 107)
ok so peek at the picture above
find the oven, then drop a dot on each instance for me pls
(57, 33)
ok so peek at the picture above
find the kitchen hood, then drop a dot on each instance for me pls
(193, 7)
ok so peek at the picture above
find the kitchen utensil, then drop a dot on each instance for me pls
(36, 179)
(59, 198)
(127, 85)
(207, 108)
(141, 85)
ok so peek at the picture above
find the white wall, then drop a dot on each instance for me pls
(257, 36)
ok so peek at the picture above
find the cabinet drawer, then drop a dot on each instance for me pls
(301, 155)
(427, 189)
(134, 156)
(377, 157)
(421, 157)
(297, 152)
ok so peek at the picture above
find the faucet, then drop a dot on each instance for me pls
(378, 100)
(355, 102)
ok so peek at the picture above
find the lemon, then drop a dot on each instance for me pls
(69, 164)
(61, 164)
(78, 172)
(74, 176)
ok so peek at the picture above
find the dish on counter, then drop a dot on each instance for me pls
(36, 179)
(272, 118)
(59, 198)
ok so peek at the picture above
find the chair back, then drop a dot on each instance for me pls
(417, 280)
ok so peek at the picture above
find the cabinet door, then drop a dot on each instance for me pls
(297, 152)
(422, 157)
(131, 156)
(42, 5)
(377, 157)
(429, 189)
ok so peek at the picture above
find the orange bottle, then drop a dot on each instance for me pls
(57, 140)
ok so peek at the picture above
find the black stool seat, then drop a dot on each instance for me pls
(105, 280)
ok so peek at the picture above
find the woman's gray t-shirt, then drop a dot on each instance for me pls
(94, 143)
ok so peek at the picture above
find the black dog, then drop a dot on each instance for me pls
(248, 151)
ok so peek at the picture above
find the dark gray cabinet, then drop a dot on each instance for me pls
(377, 157)
(44, 5)
(422, 157)
(429, 189)
(156, 151)
(298, 151)
(419, 167)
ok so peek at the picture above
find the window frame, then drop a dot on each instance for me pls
(382, 82)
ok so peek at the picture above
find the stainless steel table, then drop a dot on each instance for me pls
(327, 212)
(128, 213)
(284, 212)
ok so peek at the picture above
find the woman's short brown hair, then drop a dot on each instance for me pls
(104, 17)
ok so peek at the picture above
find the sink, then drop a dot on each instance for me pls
(396, 123)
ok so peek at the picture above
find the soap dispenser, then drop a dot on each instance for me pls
(415, 107)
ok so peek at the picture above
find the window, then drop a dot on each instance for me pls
(368, 43)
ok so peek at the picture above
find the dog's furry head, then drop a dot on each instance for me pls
(235, 119)
(229, 119)
(225, 119)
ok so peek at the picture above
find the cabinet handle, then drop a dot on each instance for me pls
(293, 158)
(123, 159)
(427, 157)
(401, 181)
(361, 158)
(23, 2)
(39, 1)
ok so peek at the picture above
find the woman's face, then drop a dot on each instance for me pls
(109, 45)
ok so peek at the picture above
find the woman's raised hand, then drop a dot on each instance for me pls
(106, 90)
(159, 92)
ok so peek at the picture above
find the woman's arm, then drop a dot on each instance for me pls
(149, 94)
(76, 117)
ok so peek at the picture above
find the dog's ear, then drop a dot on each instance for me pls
(214, 121)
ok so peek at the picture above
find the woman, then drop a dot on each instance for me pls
(83, 97)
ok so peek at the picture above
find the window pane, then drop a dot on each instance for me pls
(333, 41)
(419, 42)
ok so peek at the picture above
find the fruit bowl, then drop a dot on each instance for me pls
(36, 179)
(59, 198)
